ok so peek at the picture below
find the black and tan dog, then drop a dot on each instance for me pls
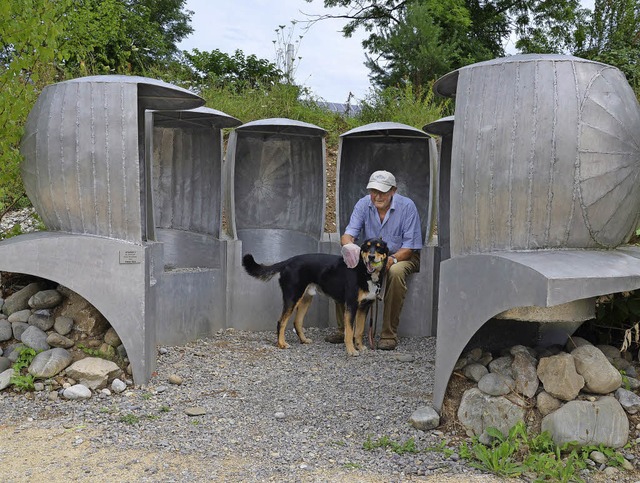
(356, 288)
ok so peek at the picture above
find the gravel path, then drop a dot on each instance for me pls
(302, 414)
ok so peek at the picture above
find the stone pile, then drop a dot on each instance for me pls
(77, 350)
(579, 391)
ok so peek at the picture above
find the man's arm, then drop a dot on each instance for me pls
(346, 238)
(400, 255)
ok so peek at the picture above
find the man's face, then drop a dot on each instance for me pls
(381, 200)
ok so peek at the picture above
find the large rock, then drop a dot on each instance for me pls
(35, 338)
(45, 299)
(479, 411)
(18, 329)
(495, 384)
(502, 365)
(524, 372)
(20, 316)
(589, 423)
(63, 325)
(56, 340)
(49, 363)
(86, 317)
(600, 377)
(424, 418)
(5, 378)
(42, 320)
(20, 299)
(559, 376)
(629, 400)
(6, 332)
(475, 371)
(77, 391)
(546, 403)
(93, 372)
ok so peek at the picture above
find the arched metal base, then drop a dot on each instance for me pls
(542, 278)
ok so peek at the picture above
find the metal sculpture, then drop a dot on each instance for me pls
(543, 163)
(91, 174)
(276, 206)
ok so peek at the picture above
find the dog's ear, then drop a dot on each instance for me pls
(382, 247)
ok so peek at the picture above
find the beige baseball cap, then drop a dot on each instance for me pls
(381, 181)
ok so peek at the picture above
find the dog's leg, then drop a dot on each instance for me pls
(301, 311)
(348, 332)
(282, 326)
(360, 320)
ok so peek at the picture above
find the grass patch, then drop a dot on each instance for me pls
(21, 379)
(519, 453)
(129, 419)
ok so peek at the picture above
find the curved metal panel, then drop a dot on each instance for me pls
(83, 148)
(403, 150)
(278, 178)
(440, 127)
(545, 155)
(84, 177)
(384, 129)
(187, 178)
(201, 116)
(283, 126)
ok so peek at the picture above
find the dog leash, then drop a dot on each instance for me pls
(373, 325)
(373, 318)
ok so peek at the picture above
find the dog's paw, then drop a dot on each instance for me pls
(352, 352)
(283, 345)
(306, 341)
(361, 348)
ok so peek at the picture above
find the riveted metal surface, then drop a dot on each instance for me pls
(545, 155)
(83, 148)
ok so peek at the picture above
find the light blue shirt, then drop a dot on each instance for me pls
(400, 227)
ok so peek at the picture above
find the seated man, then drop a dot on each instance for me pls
(394, 218)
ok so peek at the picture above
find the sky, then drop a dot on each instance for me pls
(331, 66)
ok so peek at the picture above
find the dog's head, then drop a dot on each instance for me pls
(374, 253)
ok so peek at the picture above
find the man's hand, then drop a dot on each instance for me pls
(351, 254)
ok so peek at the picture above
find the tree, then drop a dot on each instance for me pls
(124, 36)
(43, 41)
(420, 40)
(429, 39)
(550, 27)
(613, 37)
(239, 72)
(30, 31)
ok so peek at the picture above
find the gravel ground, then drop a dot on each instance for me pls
(302, 414)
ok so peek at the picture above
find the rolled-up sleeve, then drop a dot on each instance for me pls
(357, 220)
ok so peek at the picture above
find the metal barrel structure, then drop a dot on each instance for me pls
(543, 167)
(97, 152)
(546, 150)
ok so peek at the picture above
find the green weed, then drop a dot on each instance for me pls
(385, 442)
(95, 352)
(129, 419)
(520, 453)
(21, 379)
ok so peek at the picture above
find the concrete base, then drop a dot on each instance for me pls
(542, 278)
(118, 278)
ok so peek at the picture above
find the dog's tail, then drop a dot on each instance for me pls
(263, 272)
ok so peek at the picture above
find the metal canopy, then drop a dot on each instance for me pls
(385, 129)
(283, 126)
(200, 116)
